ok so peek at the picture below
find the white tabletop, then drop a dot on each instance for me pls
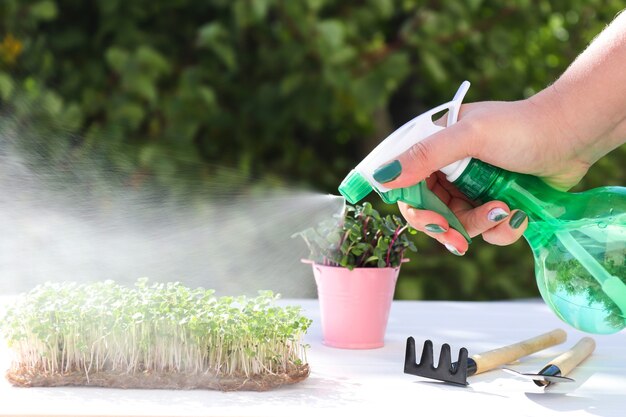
(347, 382)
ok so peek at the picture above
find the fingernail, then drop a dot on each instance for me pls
(497, 214)
(517, 219)
(434, 228)
(452, 249)
(388, 172)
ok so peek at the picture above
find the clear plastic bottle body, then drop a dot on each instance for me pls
(578, 242)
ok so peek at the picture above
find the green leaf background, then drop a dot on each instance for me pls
(294, 91)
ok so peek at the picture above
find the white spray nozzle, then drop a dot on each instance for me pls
(360, 181)
(411, 133)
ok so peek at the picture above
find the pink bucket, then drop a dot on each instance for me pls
(355, 304)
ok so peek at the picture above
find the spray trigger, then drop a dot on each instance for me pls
(360, 181)
(421, 197)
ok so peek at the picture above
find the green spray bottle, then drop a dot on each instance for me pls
(578, 239)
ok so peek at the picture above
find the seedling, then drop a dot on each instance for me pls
(359, 238)
(153, 336)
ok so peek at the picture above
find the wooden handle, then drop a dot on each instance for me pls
(570, 359)
(494, 358)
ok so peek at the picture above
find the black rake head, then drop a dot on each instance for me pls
(455, 373)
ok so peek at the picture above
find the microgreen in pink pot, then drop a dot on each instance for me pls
(356, 259)
(359, 238)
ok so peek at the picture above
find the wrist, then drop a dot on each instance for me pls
(551, 124)
(590, 96)
(580, 134)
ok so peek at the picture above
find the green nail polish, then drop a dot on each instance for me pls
(452, 249)
(434, 228)
(497, 214)
(388, 172)
(517, 219)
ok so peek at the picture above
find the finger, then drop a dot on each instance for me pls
(508, 231)
(427, 156)
(425, 221)
(482, 218)
(441, 193)
(442, 188)
(442, 181)
(454, 242)
(436, 226)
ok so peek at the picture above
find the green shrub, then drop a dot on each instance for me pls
(297, 91)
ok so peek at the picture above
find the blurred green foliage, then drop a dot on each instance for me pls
(293, 91)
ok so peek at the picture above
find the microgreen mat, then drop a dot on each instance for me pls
(60, 328)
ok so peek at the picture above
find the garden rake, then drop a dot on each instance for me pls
(457, 372)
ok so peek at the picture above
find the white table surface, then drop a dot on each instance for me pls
(347, 382)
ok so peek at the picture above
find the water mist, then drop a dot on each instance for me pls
(77, 218)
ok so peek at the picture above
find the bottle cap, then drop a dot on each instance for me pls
(355, 187)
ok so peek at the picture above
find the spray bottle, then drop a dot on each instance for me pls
(578, 239)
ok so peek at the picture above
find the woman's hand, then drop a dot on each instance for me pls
(556, 135)
(501, 134)
(493, 220)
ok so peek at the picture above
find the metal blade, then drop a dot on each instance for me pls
(539, 379)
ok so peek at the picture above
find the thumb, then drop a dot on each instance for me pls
(422, 159)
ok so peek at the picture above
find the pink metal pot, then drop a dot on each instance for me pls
(354, 304)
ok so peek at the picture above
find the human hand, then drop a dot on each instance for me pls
(524, 136)
(493, 220)
(556, 135)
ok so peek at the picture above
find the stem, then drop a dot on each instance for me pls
(362, 258)
(397, 233)
(376, 237)
(343, 238)
(366, 253)
(367, 219)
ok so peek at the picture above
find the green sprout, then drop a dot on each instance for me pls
(359, 238)
(65, 328)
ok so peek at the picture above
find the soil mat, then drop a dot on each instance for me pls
(23, 377)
